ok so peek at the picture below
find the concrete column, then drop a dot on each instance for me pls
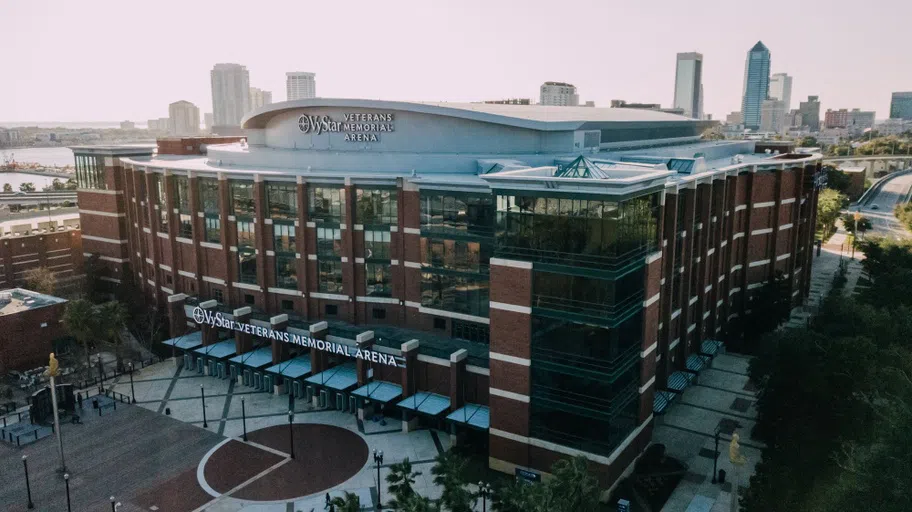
(243, 342)
(410, 354)
(209, 333)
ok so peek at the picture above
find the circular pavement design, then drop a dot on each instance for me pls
(325, 456)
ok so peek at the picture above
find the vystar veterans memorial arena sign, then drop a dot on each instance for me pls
(202, 316)
(356, 127)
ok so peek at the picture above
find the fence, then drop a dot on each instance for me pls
(107, 375)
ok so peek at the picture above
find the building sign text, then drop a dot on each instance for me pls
(356, 127)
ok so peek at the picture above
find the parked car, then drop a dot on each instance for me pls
(875, 207)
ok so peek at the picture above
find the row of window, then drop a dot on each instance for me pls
(90, 172)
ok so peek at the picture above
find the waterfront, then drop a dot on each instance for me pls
(17, 178)
(50, 157)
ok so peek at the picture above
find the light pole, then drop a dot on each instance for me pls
(485, 491)
(291, 432)
(132, 389)
(244, 418)
(53, 371)
(100, 374)
(28, 487)
(112, 504)
(203, 394)
(716, 458)
(66, 480)
(378, 458)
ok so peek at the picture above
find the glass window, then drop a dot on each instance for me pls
(471, 331)
(378, 279)
(330, 276)
(90, 172)
(469, 213)
(209, 195)
(456, 255)
(161, 193)
(377, 206)
(377, 245)
(466, 294)
(246, 236)
(329, 242)
(326, 205)
(218, 296)
(186, 226)
(284, 238)
(247, 267)
(213, 229)
(163, 220)
(286, 271)
(182, 193)
(242, 201)
(282, 200)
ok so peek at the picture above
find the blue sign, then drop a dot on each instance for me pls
(528, 476)
(623, 506)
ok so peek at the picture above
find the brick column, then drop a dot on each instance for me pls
(688, 248)
(318, 361)
(774, 224)
(279, 348)
(302, 245)
(209, 334)
(199, 227)
(701, 248)
(243, 342)
(229, 257)
(795, 241)
(259, 199)
(177, 316)
(458, 361)
(409, 384)
(745, 255)
(348, 254)
(669, 247)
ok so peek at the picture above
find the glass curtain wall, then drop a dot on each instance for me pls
(282, 205)
(377, 210)
(210, 201)
(326, 208)
(243, 207)
(161, 201)
(456, 248)
(182, 202)
(90, 172)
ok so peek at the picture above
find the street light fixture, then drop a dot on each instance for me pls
(28, 487)
(244, 418)
(66, 480)
(203, 394)
(485, 491)
(291, 432)
(132, 389)
(716, 458)
(378, 459)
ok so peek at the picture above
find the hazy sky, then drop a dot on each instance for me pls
(66, 60)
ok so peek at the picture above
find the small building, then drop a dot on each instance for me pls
(30, 324)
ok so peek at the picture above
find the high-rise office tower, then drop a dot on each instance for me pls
(183, 119)
(781, 89)
(559, 94)
(259, 98)
(810, 113)
(756, 84)
(230, 94)
(901, 105)
(300, 85)
(688, 93)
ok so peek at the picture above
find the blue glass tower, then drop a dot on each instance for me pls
(756, 84)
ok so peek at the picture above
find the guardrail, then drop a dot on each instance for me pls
(874, 189)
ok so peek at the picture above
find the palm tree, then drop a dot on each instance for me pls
(519, 496)
(573, 488)
(416, 503)
(400, 480)
(448, 473)
(349, 503)
(81, 322)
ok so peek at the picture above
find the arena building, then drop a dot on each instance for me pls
(544, 280)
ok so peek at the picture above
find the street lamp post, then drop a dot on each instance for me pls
(112, 504)
(132, 389)
(66, 480)
(291, 432)
(244, 418)
(100, 374)
(716, 458)
(485, 491)
(203, 394)
(378, 459)
(28, 487)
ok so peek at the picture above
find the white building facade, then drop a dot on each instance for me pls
(230, 94)
(559, 94)
(259, 98)
(300, 85)
(183, 119)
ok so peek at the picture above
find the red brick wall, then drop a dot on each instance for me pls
(24, 342)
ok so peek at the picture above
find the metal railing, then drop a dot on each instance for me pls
(609, 263)
(591, 309)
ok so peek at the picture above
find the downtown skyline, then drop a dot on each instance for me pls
(375, 54)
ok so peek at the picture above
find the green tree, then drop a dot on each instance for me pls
(573, 488)
(81, 322)
(416, 503)
(519, 496)
(829, 204)
(112, 317)
(350, 502)
(7, 187)
(808, 142)
(448, 473)
(27, 187)
(56, 184)
(837, 179)
(714, 133)
(40, 280)
(400, 479)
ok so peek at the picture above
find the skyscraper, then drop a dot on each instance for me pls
(558, 93)
(756, 84)
(810, 113)
(300, 85)
(259, 98)
(781, 89)
(230, 94)
(688, 92)
(901, 105)
(183, 119)
(772, 116)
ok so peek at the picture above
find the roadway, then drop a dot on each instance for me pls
(893, 192)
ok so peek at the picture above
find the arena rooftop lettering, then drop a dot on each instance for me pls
(202, 316)
(357, 127)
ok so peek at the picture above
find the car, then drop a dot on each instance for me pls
(875, 207)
